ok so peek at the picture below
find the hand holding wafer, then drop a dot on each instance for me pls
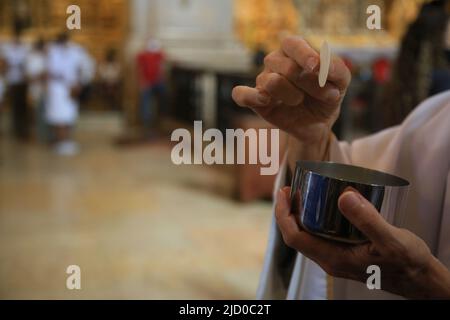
(293, 94)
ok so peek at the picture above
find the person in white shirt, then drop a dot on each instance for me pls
(414, 257)
(64, 67)
(14, 54)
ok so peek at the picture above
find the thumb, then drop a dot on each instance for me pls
(363, 215)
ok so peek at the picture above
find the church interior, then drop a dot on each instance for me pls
(113, 202)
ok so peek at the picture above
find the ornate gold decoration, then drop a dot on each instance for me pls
(264, 22)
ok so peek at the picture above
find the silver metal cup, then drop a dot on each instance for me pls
(316, 187)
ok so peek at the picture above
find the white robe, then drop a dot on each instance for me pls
(418, 150)
(64, 65)
(35, 67)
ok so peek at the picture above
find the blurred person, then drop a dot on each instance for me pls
(414, 255)
(87, 74)
(151, 80)
(36, 69)
(14, 54)
(110, 74)
(422, 67)
(2, 80)
(2, 86)
(64, 65)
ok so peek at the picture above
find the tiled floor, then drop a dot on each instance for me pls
(138, 226)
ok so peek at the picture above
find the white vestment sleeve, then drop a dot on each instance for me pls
(279, 259)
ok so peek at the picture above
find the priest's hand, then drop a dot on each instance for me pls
(288, 95)
(407, 266)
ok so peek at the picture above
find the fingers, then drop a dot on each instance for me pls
(336, 259)
(301, 52)
(363, 215)
(292, 72)
(249, 97)
(339, 74)
(279, 88)
(285, 220)
(331, 94)
(278, 62)
(308, 59)
(313, 247)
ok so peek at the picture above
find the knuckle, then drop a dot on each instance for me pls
(269, 59)
(291, 69)
(260, 79)
(401, 250)
(274, 82)
(396, 251)
(291, 41)
(286, 42)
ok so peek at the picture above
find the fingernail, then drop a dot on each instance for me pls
(311, 63)
(263, 98)
(333, 95)
(349, 200)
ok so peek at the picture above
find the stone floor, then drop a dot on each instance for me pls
(138, 226)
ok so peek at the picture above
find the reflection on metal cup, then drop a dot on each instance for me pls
(316, 187)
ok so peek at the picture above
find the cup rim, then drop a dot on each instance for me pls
(352, 173)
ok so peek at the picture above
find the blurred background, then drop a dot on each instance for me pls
(86, 115)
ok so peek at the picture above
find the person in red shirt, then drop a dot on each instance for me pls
(151, 81)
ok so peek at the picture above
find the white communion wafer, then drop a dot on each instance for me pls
(325, 59)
